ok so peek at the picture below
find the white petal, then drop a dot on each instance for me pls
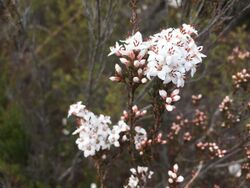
(180, 179)
(175, 167)
(176, 98)
(175, 92)
(163, 93)
(169, 107)
(118, 69)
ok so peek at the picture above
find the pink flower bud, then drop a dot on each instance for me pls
(175, 168)
(139, 72)
(118, 69)
(169, 107)
(142, 62)
(144, 80)
(124, 138)
(143, 112)
(164, 142)
(175, 92)
(149, 142)
(180, 179)
(138, 113)
(115, 79)
(124, 61)
(136, 63)
(135, 108)
(176, 98)
(170, 180)
(131, 55)
(163, 93)
(159, 135)
(136, 80)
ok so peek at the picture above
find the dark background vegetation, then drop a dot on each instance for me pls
(54, 53)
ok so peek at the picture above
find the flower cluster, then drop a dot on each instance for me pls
(246, 168)
(132, 53)
(196, 99)
(240, 78)
(174, 178)
(136, 113)
(140, 138)
(187, 136)
(168, 55)
(173, 53)
(225, 104)
(142, 142)
(116, 131)
(169, 100)
(94, 131)
(159, 139)
(200, 118)
(247, 149)
(238, 54)
(177, 126)
(226, 108)
(213, 148)
(139, 177)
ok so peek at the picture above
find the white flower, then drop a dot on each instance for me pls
(123, 126)
(140, 137)
(129, 46)
(172, 54)
(93, 185)
(94, 132)
(139, 176)
(189, 29)
(115, 49)
(75, 109)
(235, 169)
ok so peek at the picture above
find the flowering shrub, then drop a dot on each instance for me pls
(164, 59)
(163, 62)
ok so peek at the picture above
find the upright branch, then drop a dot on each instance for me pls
(157, 106)
(134, 16)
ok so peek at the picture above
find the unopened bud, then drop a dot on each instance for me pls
(136, 80)
(118, 69)
(176, 98)
(115, 78)
(136, 63)
(168, 100)
(139, 72)
(144, 80)
(124, 138)
(124, 61)
(143, 112)
(138, 113)
(164, 142)
(149, 142)
(159, 135)
(135, 108)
